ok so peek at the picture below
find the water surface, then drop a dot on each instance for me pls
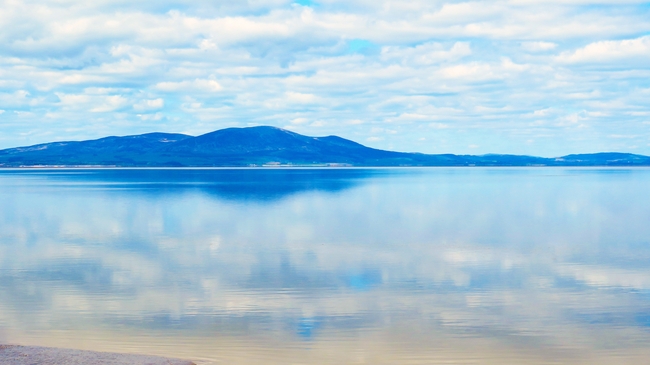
(330, 266)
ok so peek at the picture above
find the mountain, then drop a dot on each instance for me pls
(258, 146)
(119, 151)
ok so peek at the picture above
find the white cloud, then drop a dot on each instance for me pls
(152, 117)
(149, 104)
(109, 104)
(17, 97)
(91, 103)
(194, 85)
(538, 46)
(299, 121)
(426, 54)
(605, 51)
(73, 100)
(301, 98)
(475, 71)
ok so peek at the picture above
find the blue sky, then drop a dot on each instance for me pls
(520, 76)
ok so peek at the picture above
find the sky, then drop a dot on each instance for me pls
(535, 77)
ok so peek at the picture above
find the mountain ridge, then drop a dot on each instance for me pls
(263, 146)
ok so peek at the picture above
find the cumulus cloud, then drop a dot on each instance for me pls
(538, 46)
(194, 85)
(149, 104)
(479, 68)
(301, 98)
(607, 51)
(91, 103)
(427, 53)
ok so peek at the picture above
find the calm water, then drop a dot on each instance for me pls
(331, 266)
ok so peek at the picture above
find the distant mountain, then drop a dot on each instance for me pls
(262, 146)
(117, 151)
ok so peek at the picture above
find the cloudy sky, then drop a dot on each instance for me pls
(535, 77)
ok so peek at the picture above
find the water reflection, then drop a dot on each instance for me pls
(415, 265)
(231, 184)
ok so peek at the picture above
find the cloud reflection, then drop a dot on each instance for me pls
(486, 253)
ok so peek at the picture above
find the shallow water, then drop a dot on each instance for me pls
(330, 266)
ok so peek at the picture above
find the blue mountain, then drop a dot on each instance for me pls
(258, 146)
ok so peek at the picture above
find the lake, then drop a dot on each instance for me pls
(330, 266)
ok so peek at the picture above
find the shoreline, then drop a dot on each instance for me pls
(36, 355)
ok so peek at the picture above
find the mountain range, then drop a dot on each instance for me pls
(266, 146)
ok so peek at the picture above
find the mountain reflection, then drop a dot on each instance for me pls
(550, 261)
(266, 184)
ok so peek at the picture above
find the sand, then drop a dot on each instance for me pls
(31, 355)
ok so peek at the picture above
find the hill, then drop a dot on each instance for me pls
(259, 146)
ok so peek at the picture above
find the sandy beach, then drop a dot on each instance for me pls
(32, 355)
